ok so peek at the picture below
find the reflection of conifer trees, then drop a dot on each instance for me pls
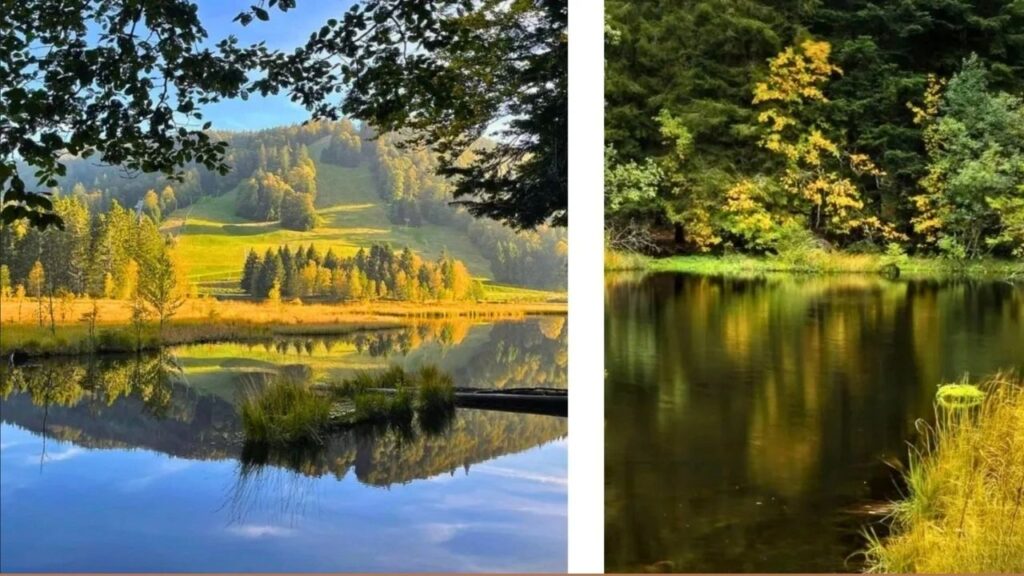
(144, 402)
(382, 456)
(517, 355)
(137, 401)
(66, 383)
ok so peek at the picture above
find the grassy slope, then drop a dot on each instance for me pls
(214, 241)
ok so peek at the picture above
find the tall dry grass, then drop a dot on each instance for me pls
(964, 510)
(286, 411)
(209, 320)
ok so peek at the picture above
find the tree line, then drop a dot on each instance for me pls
(280, 189)
(119, 253)
(406, 177)
(275, 174)
(762, 126)
(377, 274)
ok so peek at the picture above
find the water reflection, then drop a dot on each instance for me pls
(766, 406)
(172, 464)
(482, 355)
(145, 401)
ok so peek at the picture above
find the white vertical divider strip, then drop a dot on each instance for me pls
(586, 286)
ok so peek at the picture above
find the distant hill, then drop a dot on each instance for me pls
(337, 185)
(214, 241)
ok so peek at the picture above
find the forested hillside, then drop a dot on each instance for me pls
(333, 185)
(760, 125)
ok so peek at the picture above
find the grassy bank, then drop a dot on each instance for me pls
(815, 262)
(209, 320)
(964, 510)
(287, 411)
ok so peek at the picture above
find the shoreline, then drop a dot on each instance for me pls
(818, 264)
(203, 321)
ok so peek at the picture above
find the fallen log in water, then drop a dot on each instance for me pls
(545, 401)
(550, 401)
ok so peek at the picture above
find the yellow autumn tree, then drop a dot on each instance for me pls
(36, 281)
(815, 178)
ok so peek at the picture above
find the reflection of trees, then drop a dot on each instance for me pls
(122, 402)
(138, 402)
(764, 403)
(384, 456)
(527, 354)
(65, 383)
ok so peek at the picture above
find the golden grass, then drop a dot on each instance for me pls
(616, 260)
(210, 320)
(964, 512)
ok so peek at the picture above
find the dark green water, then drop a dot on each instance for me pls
(748, 420)
(138, 463)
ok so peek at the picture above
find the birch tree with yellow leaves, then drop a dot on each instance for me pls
(816, 186)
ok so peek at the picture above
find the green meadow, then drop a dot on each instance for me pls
(214, 241)
(220, 368)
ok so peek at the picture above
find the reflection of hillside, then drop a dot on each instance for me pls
(531, 354)
(139, 403)
(384, 457)
(119, 403)
(768, 402)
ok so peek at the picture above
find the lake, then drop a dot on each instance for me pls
(137, 464)
(752, 422)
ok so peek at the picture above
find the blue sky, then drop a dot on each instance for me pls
(283, 31)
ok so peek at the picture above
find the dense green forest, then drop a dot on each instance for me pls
(762, 126)
(379, 273)
(275, 175)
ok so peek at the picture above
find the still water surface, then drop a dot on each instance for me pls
(749, 421)
(125, 464)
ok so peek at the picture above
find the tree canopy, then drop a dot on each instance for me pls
(755, 124)
(127, 81)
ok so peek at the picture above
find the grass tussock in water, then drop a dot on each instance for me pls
(290, 411)
(384, 408)
(394, 395)
(964, 510)
(285, 411)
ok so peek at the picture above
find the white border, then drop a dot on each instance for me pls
(586, 286)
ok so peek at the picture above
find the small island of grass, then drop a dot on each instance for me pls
(288, 412)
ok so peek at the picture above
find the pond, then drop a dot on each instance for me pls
(137, 464)
(753, 423)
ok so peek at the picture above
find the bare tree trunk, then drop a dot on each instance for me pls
(53, 317)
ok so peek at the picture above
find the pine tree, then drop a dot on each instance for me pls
(250, 272)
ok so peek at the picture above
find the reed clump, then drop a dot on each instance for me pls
(964, 507)
(394, 395)
(286, 411)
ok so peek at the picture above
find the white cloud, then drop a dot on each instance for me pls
(58, 456)
(260, 531)
(522, 475)
(163, 468)
(439, 532)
